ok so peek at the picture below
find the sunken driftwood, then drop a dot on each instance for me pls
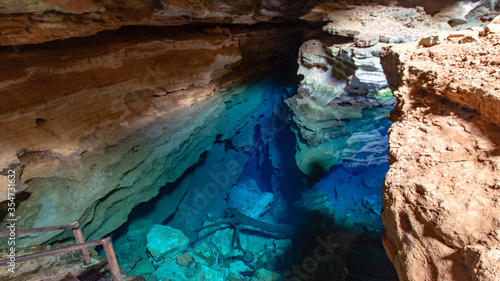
(278, 230)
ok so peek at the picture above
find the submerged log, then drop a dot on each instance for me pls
(278, 230)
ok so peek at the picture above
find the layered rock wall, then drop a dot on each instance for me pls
(37, 21)
(101, 123)
(441, 193)
(344, 81)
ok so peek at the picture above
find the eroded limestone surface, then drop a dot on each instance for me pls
(106, 125)
(441, 207)
(37, 21)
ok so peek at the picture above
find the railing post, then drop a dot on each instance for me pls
(77, 232)
(111, 258)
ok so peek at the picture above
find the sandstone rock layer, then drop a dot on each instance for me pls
(102, 123)
(441, 207)
(37, 21)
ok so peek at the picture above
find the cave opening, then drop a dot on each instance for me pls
(246, 208)
(248, 140)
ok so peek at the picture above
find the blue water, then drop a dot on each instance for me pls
(354, 187)
(252, 160)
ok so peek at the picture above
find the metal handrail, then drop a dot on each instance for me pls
(81, 245)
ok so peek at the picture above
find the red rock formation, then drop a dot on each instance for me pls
(441, 207)
(37, 21)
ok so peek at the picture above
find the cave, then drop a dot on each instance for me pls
(250, 140)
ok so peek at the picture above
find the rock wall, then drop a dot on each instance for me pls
(37, 21)
(440, 209)
(343, 80)
(101, 123)
(440, 196)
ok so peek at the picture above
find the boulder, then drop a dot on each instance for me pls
(282, 246)
(439, 204)
(464, 33)
(202, 253)
(374, 176)
(431, 40)
(205, 273)
(265, 275)
(169, 271)
(139, 229)
(365, 39)
(457, 21)
(220, 241)
(247, 198)
(494, 26)
(373, 203)
(166, 242)
(144, 267)
(467, 39)
(184, 259)
(236, 268)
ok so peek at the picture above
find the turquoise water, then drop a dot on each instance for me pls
(331, 231)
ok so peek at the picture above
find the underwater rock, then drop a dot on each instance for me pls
(317, 203)
(205, 273)
(169, 270)
(373, 203)
(236, 268)
(246, 240)
(251, 111)
(144, 267)
(247, 198)
(282, 246)
(203, 253)
(184, 259)
(374, 177)
(345, 185)
(255, 244)
(131, 248)
(211, 180)
(265, 275)
(354, 167)
(139, 229)
(221, 241)
(165, 242)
